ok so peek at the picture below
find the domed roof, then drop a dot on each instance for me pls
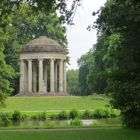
(43, 44)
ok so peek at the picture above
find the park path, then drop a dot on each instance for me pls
(51, 110)
(54, 110)
(60, 129)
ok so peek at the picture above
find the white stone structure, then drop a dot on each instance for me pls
(43, 68)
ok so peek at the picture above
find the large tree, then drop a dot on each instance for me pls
(73, 82)
(84, 63)
(120, 20)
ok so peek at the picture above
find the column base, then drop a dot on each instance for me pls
(42, 94)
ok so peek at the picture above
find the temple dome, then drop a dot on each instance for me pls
(43, 44)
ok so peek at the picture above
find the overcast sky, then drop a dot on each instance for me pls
(80, 40)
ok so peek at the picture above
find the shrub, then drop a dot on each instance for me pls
(42, 116)
(73, 114)
(53, 116)
(16, 116)
(5, 118)
(114, 113)
(101, 113)
(63, 115)
(34, 117)
(86, 114)
(76, 122)
(24, 116)
(107, 113)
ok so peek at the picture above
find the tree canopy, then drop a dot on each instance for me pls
(116, 59)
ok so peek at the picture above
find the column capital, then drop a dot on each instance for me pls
(21, 60)
(40, 59)
(29, 59)
(61, 60)
(52, 59)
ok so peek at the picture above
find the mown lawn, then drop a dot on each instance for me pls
(94, 134)
(54, 103)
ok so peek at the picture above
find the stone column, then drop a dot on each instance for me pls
(56, 75)
(30, 75)
(26, 76)
(40, 75)
(61, 76)
(65, 79)
(45, 75)
(22, 76)
(52, 75)
(34, 77)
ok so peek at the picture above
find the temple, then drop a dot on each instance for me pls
(43, 68)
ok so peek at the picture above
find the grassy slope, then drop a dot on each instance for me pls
(53, 103)
(96, 134)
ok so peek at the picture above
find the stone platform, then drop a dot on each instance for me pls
(42, 94)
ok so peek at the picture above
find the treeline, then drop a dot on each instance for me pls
(112, 66)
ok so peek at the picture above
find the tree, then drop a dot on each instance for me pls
(84, 85)
(6, 72)
(119, 19)
(73, 82)
(97, 75)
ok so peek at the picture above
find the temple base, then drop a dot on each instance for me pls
(37, 94)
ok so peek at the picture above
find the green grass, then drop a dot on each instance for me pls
(94, 134)
(54, 103)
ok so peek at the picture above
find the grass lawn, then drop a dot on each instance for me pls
(94, 134)
(54, 103)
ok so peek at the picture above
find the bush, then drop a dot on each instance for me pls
(42, 116)
(101, 113)
(34, 117)
(63, 115)
(24, 116)
(53, 116)
(114, 113)
(16, 116)
(73, 114)
(76, 122)
(86, 114)
(5, 118)
(107, 113)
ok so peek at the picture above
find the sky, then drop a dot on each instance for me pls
(80, 40)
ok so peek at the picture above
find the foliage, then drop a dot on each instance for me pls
(42, 116)
(39, 116)
(73, 114)
(6, 72)
(16, 116)
(117, 57)
(73, 82)
(63, 115)
(86, 114)
(2, 99)
(5, 118)
(34, 117)
(84, 85)
(97, 76)
(101, 113)
(76, 122)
